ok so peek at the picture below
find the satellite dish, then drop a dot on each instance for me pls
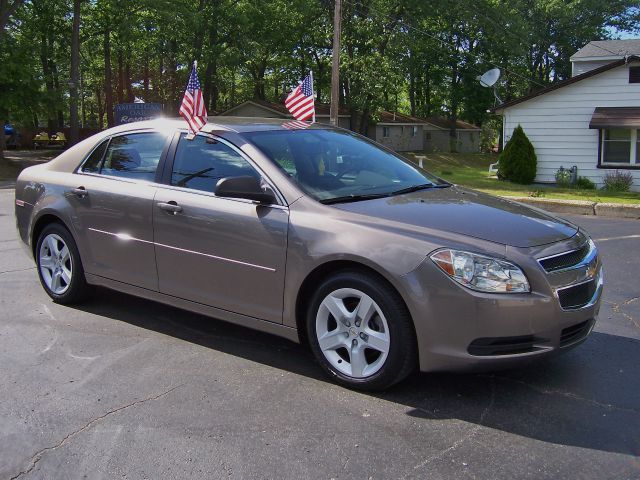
(488, 79)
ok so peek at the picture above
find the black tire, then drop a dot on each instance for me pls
(402, 353)
(77, 289)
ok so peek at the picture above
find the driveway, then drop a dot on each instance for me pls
(126, 388)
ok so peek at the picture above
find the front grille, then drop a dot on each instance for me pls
(565, 260)
(504, 345)
(578, 295)
(575, 333)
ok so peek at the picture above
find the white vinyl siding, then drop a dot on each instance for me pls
(557, 123)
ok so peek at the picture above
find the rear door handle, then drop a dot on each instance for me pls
(80, 192)
(171, 207)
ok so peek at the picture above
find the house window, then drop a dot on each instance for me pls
(620, 147)
(414, 131)
(385, 132)
(634, 74)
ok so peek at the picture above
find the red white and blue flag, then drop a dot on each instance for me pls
(300, 101)
(193, 108)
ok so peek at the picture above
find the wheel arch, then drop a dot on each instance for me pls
(40, 224)
(324, 271)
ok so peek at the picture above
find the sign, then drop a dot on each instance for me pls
(136, 112)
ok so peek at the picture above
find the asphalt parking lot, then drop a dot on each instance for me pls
(122, 387)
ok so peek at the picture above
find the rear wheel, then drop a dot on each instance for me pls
(361, 332)
(59, 265)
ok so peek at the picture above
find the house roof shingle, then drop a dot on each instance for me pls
(609, 48)
(440, 122)
(321, 108)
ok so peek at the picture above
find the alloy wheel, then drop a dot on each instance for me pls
(352, 333)
(56, 266)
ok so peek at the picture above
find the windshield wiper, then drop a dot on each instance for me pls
(422, 186)
(353, 198)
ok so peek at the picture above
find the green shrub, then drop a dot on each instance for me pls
(518, 160)
(585, 183)
(563, 177)
(617, 181)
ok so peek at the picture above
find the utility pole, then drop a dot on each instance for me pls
(75, 70)
(335, 67)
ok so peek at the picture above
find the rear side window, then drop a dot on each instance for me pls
(134, 156)
(92, 165)
(201, 162)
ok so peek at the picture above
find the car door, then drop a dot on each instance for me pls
(113, 201)
(223, 252)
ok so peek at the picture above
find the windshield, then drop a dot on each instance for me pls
(333, 166)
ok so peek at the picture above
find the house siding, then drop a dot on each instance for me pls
(438, 140)
(579, 67)
(557, 123)
(400, 139)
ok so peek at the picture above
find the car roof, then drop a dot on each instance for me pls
(219, 123)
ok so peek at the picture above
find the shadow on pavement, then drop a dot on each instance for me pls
(589, 397)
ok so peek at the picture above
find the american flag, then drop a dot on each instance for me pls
(192, 108)
(296, 125)
(300, 100)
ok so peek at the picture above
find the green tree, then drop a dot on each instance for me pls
(518, 161)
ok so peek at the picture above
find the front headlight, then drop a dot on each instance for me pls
(478, 272)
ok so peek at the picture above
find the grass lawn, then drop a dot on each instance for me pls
(15, 160)
(472, 170)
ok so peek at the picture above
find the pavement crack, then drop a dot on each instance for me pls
(18, 270)
(467, 436)
(617, 309)
(562, 393)
(33, 461)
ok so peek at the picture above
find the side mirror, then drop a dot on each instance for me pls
(243, 187)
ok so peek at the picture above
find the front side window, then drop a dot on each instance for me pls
(619, 146)
(134, 156)
(200, 163)
(330, 165)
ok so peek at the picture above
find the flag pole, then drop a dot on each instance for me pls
(313, 93)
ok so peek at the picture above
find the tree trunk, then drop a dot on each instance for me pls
(453, 114)
(75, 69)
(120, 80)
(48, 81)
(108, 86)
(127, 76)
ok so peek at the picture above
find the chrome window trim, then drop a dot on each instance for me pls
(213, 195)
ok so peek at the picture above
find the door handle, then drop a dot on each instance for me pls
(80, 192)
(171, 207)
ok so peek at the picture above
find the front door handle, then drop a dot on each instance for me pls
(171, 207)
(80, 192)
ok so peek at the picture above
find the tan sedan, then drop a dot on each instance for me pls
(316, 234)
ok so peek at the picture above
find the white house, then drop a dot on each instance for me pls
(602, 52)
(591, 120)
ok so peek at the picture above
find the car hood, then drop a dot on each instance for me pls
(471, 213)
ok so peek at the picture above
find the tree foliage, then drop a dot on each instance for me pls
(518, 160)
(412, 56)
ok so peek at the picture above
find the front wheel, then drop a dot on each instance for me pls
(59, 266)
(361, 332)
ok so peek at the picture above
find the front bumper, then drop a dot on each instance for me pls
(459, 329)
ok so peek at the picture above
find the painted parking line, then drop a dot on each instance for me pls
(624, 237)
